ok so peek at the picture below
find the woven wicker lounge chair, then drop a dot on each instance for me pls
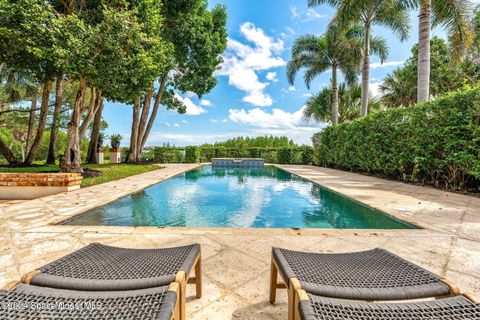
(98, 267)
(313, 307)
(27, 302)
(373, 275)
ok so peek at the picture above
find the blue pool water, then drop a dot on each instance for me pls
(239, 198)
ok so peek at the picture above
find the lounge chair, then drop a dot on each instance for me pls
(98, 267)
(313, 307)
(373, 275)
(27, 302)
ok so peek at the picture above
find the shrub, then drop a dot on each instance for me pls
(168, 154)
(192, 154)
(254, 152)
(307, 155)
(436, 142)
(206, 154)
(285, 155)
(220, 152)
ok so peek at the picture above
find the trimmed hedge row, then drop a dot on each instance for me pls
(194, 154)
(436, 142)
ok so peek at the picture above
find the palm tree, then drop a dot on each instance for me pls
(337, 49)
(399, 88)
(318, 106)
(451, 14)
(391, 14)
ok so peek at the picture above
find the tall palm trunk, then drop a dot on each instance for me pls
(92, 147)
(132, 153)
(31, 122)
(42, 119)
(71, 161)
(365, 70)
(55, 120)
(423, 85)
(334, 95)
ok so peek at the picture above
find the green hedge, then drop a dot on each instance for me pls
(436, 142)
(193, 154)
(168, 154)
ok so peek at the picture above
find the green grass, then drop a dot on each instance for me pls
(110, 172)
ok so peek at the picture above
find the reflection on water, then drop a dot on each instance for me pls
(236, 197)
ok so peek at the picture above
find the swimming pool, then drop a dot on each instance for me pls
(233, 197)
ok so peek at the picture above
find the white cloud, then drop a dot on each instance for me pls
(377, 65)
(374, 88)
(205, 103)
(292, 89)
(176, 125)
(242, 61)
(191, 108)
(294, 12)
(185, 121)
(167, 124)
(313, 14)
(272, 76)
(278, 119)
(225, 120)
(307, 95)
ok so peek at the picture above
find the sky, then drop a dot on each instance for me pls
(253, 96)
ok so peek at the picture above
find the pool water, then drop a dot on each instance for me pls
(238, 198)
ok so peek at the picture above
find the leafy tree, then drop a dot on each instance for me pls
(391, 14)
(198, 36)
(119, 55)
(319, 105)
(27, 44)
(338, 49)
(450, 14)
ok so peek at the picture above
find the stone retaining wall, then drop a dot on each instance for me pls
(15, 186)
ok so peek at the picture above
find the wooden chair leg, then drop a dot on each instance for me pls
(273, 282)
(175, 287)
(300, 295)
(181, 279)
(293, 286)
(198, 277)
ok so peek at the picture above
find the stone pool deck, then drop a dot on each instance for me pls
(237, 261)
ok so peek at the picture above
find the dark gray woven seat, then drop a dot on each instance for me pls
(368, 275)
(98, 267)
(28, 302)
(454, 308)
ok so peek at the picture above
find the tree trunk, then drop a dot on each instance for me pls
(143, 122)
(132, 153)
(95, 97)
(42, 119)
(92, 147)
(156, 106)
(365, 71)
(334, 95)
(7, 153)
(1, 67)
(31, 122)
(71, 161)
(423, 84)
(55, 120)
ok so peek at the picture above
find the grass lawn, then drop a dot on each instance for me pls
(109, 171)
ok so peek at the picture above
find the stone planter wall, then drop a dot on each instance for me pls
(19, 186)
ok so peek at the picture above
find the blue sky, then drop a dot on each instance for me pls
(253, 96)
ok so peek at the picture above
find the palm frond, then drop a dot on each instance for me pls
(379, 47)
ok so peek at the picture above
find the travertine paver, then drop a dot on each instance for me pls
(236, 261)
